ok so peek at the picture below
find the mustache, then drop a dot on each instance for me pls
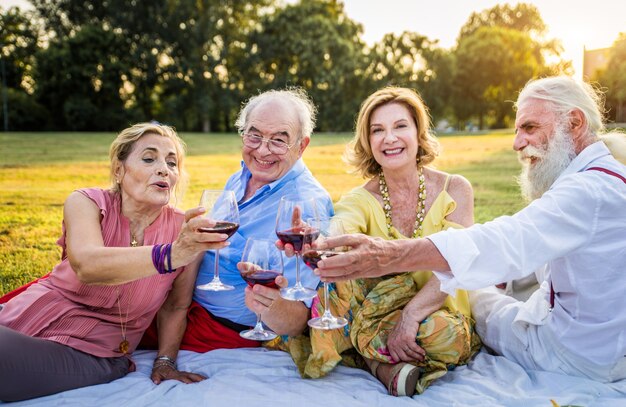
(530, 152)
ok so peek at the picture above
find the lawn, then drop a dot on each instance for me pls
(39, 170)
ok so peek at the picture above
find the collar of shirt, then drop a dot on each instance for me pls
(245, 175)
(583, 160)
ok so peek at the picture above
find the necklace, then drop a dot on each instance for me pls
(420, 210)
(124, 344)
(133, 241)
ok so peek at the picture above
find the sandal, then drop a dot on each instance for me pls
(404, 377)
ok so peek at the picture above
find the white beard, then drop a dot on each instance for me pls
(552, 160)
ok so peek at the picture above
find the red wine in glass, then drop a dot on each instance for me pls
(228, 228)
(262, 277)
(260, 264)
(328, 227)
(298, 236)
(312, 257)
(221, 206)
(292, 229)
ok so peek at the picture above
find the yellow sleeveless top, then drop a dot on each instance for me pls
(360, 212)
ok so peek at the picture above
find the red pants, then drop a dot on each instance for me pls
(203, 334)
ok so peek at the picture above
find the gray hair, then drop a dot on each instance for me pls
(566, 94)
(297, 97)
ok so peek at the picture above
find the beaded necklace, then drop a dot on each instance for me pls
(420, 210)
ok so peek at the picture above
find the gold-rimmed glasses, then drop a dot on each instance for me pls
(254, 141)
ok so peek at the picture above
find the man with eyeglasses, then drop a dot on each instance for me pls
(275, 128)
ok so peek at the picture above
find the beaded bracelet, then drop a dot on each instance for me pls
(160, 254)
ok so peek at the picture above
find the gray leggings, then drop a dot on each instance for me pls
(34, 367)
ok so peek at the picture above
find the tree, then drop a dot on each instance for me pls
(493, 64)
(79, 80)
(614, 79)
(314, 44)
(207, 51)
(521, 17)
(411, 60)
(19, 41)
(498, 51)
(178, 55)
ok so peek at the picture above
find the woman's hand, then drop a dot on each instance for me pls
(401, 341)
(191, 241)
(166, 372)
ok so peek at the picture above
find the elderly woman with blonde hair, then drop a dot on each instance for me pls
(402, 327)
(123, 255)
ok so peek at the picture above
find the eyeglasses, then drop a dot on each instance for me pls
(275, 146)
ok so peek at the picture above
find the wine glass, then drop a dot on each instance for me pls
(327, 227)
(261, 263)
(291, 229)
(220, 206)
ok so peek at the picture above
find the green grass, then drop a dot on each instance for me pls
(39, 170)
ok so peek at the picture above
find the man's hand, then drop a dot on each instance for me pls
(259, 299)
(368, 257)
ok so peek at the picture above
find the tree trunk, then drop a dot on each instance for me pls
(206, 124)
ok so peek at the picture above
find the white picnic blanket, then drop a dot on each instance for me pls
(263, 378)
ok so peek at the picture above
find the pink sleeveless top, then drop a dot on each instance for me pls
(87, 317)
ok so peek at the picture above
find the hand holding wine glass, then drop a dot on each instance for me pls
(220, 206)
(262, 262)
(327, 227)
(291, 229)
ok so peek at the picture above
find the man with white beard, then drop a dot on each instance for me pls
(574, 226)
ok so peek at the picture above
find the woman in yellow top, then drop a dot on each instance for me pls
(407, 331)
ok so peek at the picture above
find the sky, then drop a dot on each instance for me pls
(577, 23)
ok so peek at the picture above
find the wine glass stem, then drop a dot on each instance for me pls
(216, 271)
(259, 326)
(326, 309)
(298, 284)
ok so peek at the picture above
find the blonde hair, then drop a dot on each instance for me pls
(123, 145)
(359, 154)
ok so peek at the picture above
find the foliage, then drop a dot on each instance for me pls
(80, 91)
(614, 79)
(207, 46)
(43, 168)
(313, 44)
(24, 112)
(99, 65)
(493, 63)
(19, 41)
(522, 17)
(411, 60)
(167, 60)
(498, 51)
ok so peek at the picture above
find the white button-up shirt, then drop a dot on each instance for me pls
(577, 228)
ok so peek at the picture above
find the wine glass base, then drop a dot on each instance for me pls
(298, 293)
(215, 286)
(327, 323)
(255, 335)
